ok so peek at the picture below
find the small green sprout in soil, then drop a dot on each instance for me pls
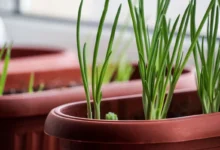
(41, 87)
(31, 84)
(125, 69)
(122, 66)
(97, 79)
(111, 116)
(155, 52)
(119, 71)
(7, 51)
(208, 63)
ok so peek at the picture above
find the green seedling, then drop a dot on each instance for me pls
(97, 78)
(124, 69)
(31, 84)
(155, 52)
(116, 71)
(111, 116)
(208, 63)
(3, 78)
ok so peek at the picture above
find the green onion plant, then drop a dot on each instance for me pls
(97, 78)
(207, 62)
(7, 51)
(154, 51)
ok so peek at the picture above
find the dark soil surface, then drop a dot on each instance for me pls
(36, 89)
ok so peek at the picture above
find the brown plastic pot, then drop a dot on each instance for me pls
(22, 116)
(191, 132)
(48, 65)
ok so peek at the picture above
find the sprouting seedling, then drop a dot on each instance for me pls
(31, 84)
(41, 87)
(124, 69)
(154, 51)
(116, 71)
(119, 71)
(3, 78)
(111, 116)
(110, 70)
(97, 79)
(208, 73)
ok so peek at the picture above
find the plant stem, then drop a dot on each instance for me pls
(97, 77)
(82, 63)
(98, 111)
(31, 84)
(5, 69)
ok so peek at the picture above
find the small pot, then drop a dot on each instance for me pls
(190, 132)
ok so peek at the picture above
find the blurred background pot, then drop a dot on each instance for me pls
(54, 67)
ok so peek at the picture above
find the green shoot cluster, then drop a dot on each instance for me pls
(208, 73)
(153, 51)
(157, 57)
(97, 78)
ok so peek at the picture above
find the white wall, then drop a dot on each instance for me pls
(93, 8)
(23, 31)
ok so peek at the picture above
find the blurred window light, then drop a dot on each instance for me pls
(9, 5)
(67, 9)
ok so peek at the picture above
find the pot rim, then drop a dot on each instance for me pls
(34, 104)
(52, 49)
(171, 130)
(28, 100)
(58, 111)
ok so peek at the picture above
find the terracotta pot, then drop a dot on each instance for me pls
(22, 116)
(48, 65)
(194, 132)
